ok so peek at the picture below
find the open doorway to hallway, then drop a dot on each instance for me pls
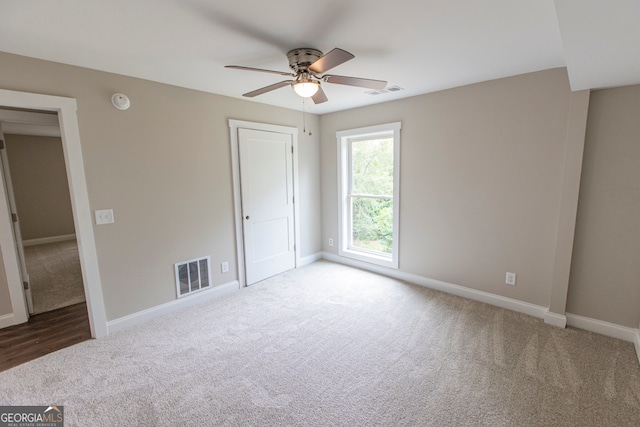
(37, 189)
(13, 310)
(43, 207)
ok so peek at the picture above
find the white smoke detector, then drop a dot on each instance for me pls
(120, 101)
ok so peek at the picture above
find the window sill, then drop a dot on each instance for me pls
(383, 261)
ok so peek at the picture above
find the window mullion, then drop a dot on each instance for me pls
(372, 196)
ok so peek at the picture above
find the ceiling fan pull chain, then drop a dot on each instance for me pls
(304, 119)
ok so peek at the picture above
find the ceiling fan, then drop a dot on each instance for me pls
(309, 66)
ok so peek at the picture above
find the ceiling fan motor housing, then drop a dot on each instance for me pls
(300, 59)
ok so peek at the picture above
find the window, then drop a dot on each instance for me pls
(369, 161)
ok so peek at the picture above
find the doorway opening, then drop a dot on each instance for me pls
(33, 169)
(15, 311)
(36, 184)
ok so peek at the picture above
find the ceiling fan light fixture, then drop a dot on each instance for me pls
(306, 88)
(309, 69)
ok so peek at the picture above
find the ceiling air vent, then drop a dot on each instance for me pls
(192, 276)
(385, 90)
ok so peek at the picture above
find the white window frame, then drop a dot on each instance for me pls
(345, 138)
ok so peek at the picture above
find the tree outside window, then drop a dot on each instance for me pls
(369, 172)
(372, 195)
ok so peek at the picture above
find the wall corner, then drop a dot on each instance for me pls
(555, 319)
(575, 139)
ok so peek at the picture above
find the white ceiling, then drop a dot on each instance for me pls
(419, 45)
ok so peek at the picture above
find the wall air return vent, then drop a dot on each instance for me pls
(193, 276)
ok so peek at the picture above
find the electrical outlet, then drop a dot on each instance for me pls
(330, 241)
(510, 279)
(224, 267)
(104, 216)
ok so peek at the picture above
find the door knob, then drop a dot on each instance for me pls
(247, 217)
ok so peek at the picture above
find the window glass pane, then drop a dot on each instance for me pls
(372, 166)
(372, 224)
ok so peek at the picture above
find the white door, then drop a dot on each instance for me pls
(266, 181)
(16, 221)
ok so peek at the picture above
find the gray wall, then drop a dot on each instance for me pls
(40, 186)
(164, 167)
(5, 298)
(605, 273)
(482, 169)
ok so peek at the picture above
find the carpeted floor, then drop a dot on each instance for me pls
(331, 345)
(54, 275)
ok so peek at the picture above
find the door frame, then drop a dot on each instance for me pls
(66, 109)
(234, 125)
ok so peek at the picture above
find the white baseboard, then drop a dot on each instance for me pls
(310, 259)
(45, 240)
(598, 326)
(604, 328)
(450, 288)
(555, 319)
(6, 320)
(143, 316)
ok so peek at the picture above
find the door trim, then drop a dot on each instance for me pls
(68, 121)
(234, 125)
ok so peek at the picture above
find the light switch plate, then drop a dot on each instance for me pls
(104, 216)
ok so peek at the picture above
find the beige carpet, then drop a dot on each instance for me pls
(331, 345)
(54, 275)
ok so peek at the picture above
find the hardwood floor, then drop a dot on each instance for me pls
(42, 334)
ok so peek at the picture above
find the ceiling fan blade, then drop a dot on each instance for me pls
(240, 67)
(356, 81)
(319, 97)
(268, 88)
(330, 60)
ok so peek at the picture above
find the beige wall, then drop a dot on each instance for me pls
(605, 273)
(481, 181)
(40, 186)
(483, 172)
(164, 167)
(5, 298)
